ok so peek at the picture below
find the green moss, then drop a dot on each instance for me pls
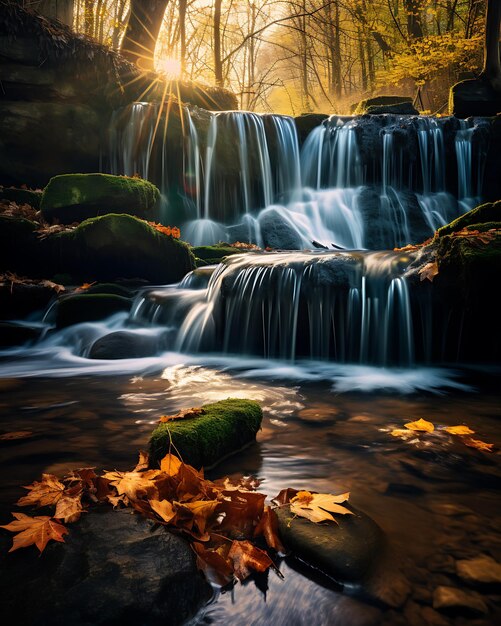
(483, 214)
(121, 246)
(214, 254)
(202, 441)
(380, 102)
(21, 196)
(79, 308)
(75, 197)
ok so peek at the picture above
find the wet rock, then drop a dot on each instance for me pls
(346, 551)
(456, 600)
(474, 97)
(386, 104)
(306, 122)
(12, 334)
(124, 345)
(390, 589)
(18, 300)
(482, 569)
(442, 563)
(75, 309)
(114, 568)
(433, 618)
(277, 230)
(349, 611)
(421, 594)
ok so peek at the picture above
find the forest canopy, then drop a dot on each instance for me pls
(298, 56)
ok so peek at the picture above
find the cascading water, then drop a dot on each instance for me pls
(343, 306)
(373, 182)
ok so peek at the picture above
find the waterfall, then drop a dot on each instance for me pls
(347, 307)
(371, 182)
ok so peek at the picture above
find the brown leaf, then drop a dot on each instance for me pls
(479, 445)
(285, 496)
(247, 558)
(47, 492)
(268, 528)
(134, 484)
(69, 508)
(203, 511)
(143, 462)
(216, 567)
(183, 414)
(242, 509)
(170, 464)
(429, 271)
(163, 509)
(34, 530)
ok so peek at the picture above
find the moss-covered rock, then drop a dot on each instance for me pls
(21, 196)
(78, 308)
(222, 429)
(211, 255)
(75, 197)
(398, 105)
(484, 214)
(347, 551)
(120, 246)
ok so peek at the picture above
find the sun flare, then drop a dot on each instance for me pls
(170, 67)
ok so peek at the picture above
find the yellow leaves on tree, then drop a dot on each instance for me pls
(34, 530)
(317, 507)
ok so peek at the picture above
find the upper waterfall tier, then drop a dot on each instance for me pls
(373, 181)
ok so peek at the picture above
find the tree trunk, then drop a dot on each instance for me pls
(142, 31)
(492, 66)
(414, 26)
(218, 61)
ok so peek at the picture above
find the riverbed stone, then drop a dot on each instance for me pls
(124, 344)
(222, 429)
(482, 569)
(456, 600)
(346, 551)
(114, 567)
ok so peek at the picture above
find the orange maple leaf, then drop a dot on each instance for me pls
(34, 530)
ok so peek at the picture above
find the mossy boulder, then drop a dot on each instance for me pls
(397, 105)
(21, 196)
(78, 308)
(485, 214)
(346, 551)
(211, 255)
(75, 197)
(222, 429)
(120, 246)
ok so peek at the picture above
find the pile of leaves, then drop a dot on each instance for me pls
(462, 431)
(172, 231)
(8, 208)
(226, 522)
(242, 245)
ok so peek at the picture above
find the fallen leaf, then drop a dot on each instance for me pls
(47, 492)
(247, 558)
(317, 507)
(402, 432)
(285, 496)
(429, 271)
(170, 464)
(479, 445)
(268, 528)
(184, 414)
(216, 567)
(69, 508)
(420, 425)
(34, 530)
(163, 509)
(202, 511)
(143, 461)
(134, 484)
(459, 430)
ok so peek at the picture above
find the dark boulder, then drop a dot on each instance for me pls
(277, 231)
(12, 334)
(306, 122)
(474, 97)
(21, 196)
(398, 105)
(124, 345)
(114, 568)
(78, 308)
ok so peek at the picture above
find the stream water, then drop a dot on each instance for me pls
(436, 500)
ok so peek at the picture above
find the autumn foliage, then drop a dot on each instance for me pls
(171, 231)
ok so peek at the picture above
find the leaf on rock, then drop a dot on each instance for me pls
(170, 464)
(459, 430)
(134, 484)
(69, 508)
(420, 425)
(47, 492)
(268, 528)
(203, 511)
(317, 507)
(429, 271)
(184, 414)
(163, 509)
(247, 559)
(214, 563)
(479, 445)
(34, 530)
(285, 496)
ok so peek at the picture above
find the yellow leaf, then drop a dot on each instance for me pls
(479, 445)
(402, 432)
(170, 464)
(317, 507)
(429, 271)
(421, 425)
(459, 430)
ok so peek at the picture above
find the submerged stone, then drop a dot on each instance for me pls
(124, 345)
(459, 601)
(202, 441)
(482, 569)
(75, 197)
(346, 551)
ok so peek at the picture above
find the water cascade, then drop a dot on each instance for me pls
(373, 182)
